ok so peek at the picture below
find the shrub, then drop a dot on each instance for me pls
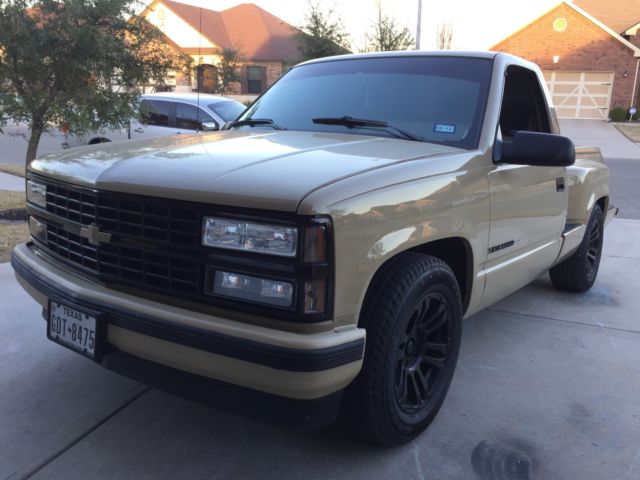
(618, 114)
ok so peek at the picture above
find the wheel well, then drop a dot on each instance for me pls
(95, 141)
(603, 202)
(455, 252)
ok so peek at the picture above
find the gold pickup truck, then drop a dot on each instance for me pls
(318, 256)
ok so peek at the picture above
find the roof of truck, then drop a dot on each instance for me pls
(409, 53)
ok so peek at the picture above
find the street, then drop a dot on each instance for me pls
(621, 156)
(14, 138)
(624, 178)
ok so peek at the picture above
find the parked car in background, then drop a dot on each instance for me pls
(168, 114)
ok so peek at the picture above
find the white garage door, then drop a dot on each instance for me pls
(580, 94)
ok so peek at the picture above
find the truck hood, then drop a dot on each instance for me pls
(274, 170)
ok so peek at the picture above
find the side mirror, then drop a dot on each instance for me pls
(209, 126)
(538, 149)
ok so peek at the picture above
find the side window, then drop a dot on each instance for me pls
(523, 105)
(191, 117)
(155, 112)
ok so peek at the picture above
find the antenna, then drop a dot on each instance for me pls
(199, 72)
(418, 28)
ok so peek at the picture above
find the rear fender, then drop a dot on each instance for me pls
(588, 181)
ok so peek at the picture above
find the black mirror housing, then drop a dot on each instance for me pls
(538, 149)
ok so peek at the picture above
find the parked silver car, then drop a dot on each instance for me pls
(168, 114)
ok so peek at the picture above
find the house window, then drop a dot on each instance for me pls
(255, 79)
(207, 79)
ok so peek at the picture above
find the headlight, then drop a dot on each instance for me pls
(37, 193)
(249, 236)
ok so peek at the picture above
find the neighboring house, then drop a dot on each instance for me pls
(264, 41)
(589, 51)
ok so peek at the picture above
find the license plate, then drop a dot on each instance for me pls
(74, 329)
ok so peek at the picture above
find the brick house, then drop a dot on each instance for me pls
(264, 40)
(589, 51)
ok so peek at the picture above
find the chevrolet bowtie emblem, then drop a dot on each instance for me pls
(94, 235)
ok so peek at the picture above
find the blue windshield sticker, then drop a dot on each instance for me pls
(444, 128)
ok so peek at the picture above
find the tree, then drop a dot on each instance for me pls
(388, 35)
(444, 36)
(229, 68)
(77, 64)
(322, 35)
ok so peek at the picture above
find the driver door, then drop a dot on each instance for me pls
(528, 203)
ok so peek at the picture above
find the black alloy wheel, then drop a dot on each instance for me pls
(593, 249)
(422, 353)
(578, 272)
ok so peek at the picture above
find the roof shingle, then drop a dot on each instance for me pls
(618, 15)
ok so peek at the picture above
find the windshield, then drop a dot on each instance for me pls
(227, 110)
(438, 99)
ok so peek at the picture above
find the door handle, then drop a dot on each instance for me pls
(560, 184)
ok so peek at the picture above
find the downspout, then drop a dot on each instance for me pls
(635, 84)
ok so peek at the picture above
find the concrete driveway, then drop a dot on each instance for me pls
(597, 133)
(547, 388)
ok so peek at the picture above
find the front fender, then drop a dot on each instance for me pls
(372, 228)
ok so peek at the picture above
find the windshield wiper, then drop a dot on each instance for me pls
(252, 122)
(351, 122)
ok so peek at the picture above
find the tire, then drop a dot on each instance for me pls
(578, 272)
(413, 319)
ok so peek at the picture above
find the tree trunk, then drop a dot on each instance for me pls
(36, 132)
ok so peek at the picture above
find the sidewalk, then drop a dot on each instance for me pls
(546, 387)
(11, 182)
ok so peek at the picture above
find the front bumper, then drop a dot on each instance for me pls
(294, 365)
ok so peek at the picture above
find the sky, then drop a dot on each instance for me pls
(477, 24)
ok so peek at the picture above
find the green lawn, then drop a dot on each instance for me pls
(10, 200)
(10, 235)
(631, 131)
